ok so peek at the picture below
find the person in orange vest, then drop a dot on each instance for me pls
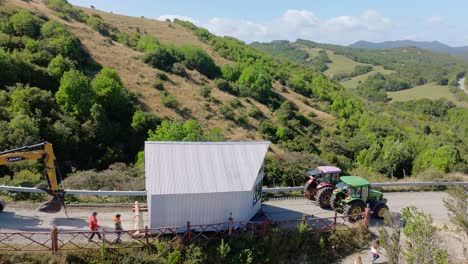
(118, 228)
(93, 225)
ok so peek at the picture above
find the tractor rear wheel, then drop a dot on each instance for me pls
(2, 205)
(310, 190)
(380, 211)
(323, 197)
(354, 210)
(335, 202)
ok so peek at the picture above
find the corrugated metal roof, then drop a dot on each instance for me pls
(202, 167)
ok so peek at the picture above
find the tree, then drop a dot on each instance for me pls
(198, 59)
(255, 82)
(75, 95)
(424, 243)
(25, 23)
(58, 65)
(457, 205)
(160, 57)
(390, 237)
(31, 101)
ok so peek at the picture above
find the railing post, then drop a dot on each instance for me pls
(265, 226)
(137, 218)
(367, 217)
(334, 221)
(147, 235)
(103, 248)
(188, 231)
(54, 239)
(230, 226)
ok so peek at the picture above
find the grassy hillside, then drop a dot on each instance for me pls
(403, 67)
(125, 80)
(429, 91)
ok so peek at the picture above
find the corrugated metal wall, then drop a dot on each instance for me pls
(201, 208)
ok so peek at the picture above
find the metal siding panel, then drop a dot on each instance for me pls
(199, 209)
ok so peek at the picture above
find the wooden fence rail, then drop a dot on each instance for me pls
(63, 240)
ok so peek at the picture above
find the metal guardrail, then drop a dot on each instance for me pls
(77, 192)
(265, 190)
(374, 185)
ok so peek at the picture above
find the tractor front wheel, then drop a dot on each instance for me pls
(323, 197)
(336, 200)
(354, 210)
(380, 211)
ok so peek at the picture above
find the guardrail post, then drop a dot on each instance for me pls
(367, 217)
(147, 235)
(188, 231)
(230, 226)
(54, 239)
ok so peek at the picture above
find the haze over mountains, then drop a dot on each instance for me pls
(435, 46)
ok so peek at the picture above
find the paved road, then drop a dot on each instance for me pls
(429, 202)
(26, 218)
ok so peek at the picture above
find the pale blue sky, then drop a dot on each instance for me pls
(329, 21)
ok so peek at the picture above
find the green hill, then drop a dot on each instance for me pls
(97, 85)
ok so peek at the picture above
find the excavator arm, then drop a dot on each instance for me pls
(44, 152)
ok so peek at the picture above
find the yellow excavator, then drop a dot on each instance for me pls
(45, 152)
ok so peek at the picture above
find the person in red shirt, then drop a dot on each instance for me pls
(93, 225)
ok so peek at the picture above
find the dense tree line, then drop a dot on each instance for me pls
(84, 109)
(44, 95)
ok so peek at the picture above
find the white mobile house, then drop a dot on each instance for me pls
(203, 182)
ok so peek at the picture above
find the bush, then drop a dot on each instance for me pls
(25, 23)
(205, 91)
(162, 76)
(158, 84)
(198, 59)
(170, 101)
(175, 257)
(179, 69)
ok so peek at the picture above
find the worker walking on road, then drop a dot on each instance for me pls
(93, 225)
(118, 228)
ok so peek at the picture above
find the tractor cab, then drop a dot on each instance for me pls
(323, 177)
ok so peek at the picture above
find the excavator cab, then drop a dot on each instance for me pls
(42, 151)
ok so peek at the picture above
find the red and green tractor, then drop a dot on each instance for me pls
(320, 186)
(353, 194)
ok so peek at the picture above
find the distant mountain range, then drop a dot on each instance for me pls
(427, 45)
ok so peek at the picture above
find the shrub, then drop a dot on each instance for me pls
(175, 257)
(179, 69)
(170, 101)
(162, 76)
(25, 23)
(198, 59)
(205, 91)
(227, 112)
(158, 84)
(160, 57)
(235, 103)
(96, 23)
(223, 85)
